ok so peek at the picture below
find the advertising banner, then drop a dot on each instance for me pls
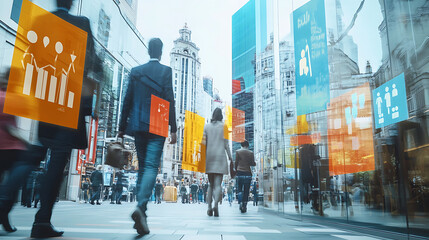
(311, 57)
(159, 116)
(194, 158)
(45, 81)
(350, 136)
(390, 102)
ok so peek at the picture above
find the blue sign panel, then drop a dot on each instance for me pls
(390, 102)
(311, 57)
(16, 10)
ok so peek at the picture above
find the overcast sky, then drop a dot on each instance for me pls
(210, 23)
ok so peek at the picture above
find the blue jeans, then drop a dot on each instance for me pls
(243, 188)
(149, 151)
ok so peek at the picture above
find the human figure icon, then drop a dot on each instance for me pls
(303, 67)
(394, 91)
(388, 100)
(379, 101)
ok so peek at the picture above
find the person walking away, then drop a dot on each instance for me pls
(85, 187)
(194, 190)
(255, 192)
(158, 191)
(200, 193)
(205, 189)
(59, 140)
(244, 159)
(96, 185)
(146, 80)
(229, 191)
(119, 187)
(216, 162)
(183, 193)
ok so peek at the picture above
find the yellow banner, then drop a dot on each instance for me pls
(194, 158)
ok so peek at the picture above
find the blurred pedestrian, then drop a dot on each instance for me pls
(194, 190)
(229, 191)
(159, 188)
(149, 79)
(216, 162)
(58, 140)
(119, 187)
(205, 189)
(244, 159)
(96, 185)
(184, 193)
(10, 149)
(85, 188)
(255, 192)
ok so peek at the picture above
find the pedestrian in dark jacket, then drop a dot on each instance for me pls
(96, 185)
(59, 140)
(244, 159)
(150, 79)
(194, 190)
(119, 186)
(159, 188)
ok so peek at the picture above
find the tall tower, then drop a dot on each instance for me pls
(188, 88)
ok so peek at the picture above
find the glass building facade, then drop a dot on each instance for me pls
(344, 163)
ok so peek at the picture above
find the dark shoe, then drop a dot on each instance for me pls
(44, 230)
(112, 202)
(98, 203)
(4, 220)
(210, 212)
(215, 212)
(140, 220)
(92, 203)
(118, 203)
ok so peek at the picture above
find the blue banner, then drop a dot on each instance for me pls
(311, 57)
(16, 10)
(390, 102)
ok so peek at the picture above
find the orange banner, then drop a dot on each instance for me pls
(305, 139)
(238, 125)
(159, 115)
(194, 158)
(45, 81)
(350, 135)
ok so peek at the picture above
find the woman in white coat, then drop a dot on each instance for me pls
(217, 148)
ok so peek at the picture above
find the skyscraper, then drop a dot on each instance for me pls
(249, 36)
(188, 88)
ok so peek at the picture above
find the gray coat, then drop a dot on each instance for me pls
(216, 148)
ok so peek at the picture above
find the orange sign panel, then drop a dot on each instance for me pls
(45, 80)
(350, 135)
(159, 116)
(305, 139)
(238, 125)
(194, 158)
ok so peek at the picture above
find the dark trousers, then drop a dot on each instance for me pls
(96, 191)
(51, 183)
(118, 194)
(27, 162)
(243, 188)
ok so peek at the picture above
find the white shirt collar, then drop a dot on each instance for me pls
(154, 59)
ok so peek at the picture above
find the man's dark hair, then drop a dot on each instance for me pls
(245, 143)
(155, 48)
(65, 4)
(217, 115)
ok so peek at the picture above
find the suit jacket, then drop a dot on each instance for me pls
(145, 80)
(52, 135)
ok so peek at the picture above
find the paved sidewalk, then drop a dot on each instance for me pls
(174, 221)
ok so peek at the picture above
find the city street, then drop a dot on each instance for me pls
(174, 221)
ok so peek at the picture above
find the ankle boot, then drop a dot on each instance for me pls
(5, 208)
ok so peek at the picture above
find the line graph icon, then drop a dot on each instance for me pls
(47, 68)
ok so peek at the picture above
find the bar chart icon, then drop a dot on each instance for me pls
(47, 70)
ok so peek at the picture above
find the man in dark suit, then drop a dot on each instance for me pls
(59, 140)
(146, 80)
